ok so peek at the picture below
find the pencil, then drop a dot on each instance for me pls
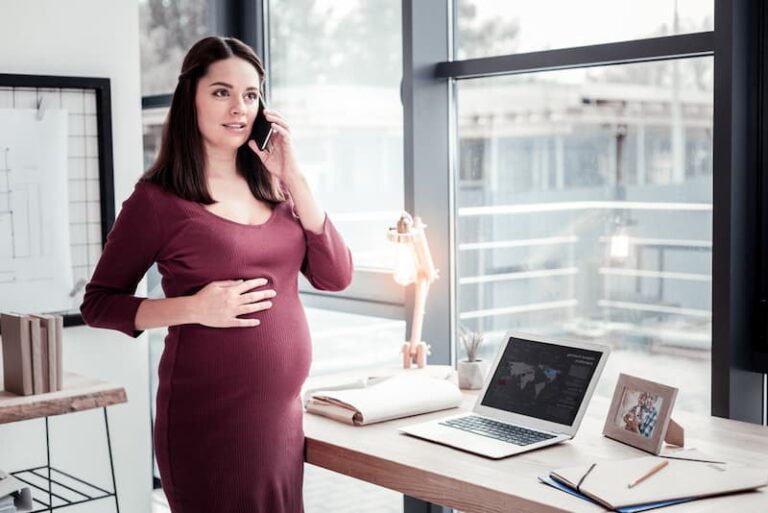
(692, 459)
(648, 474)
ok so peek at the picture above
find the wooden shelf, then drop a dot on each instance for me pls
(79, 394)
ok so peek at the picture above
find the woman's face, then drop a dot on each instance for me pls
(227, 100)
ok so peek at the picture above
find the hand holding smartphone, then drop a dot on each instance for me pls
(262, 129)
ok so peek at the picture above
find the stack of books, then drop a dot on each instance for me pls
(32, 346)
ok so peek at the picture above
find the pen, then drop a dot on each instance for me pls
(581, 481)
(648, 474)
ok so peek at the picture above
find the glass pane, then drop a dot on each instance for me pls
(585, 210)
(168, 28)
(344, 342)
(498, 27)
(335, 75)
(152, 121)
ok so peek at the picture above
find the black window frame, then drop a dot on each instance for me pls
(739, 349)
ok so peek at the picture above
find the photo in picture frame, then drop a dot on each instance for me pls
(640, 414)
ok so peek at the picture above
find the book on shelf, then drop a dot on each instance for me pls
(37, 353)
(401, 395)
(32, 352)
(44, 357)
(17, 354)
(50, 364)
(59, 358)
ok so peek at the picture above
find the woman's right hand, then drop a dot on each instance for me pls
(219, 303)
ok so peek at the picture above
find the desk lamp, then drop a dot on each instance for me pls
(413, 265)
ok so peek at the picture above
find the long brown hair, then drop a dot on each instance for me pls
(179, 167)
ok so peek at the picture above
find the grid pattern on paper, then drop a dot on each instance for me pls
(82, 169)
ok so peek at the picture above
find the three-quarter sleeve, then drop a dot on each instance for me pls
(132, 246)
(328, 261)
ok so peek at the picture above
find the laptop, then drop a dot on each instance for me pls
(535, 395)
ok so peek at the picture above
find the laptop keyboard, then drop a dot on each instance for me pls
(505, 432)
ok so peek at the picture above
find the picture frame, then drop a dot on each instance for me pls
(641, 414)
(84, 105)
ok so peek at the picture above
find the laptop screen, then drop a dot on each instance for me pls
(545, 381)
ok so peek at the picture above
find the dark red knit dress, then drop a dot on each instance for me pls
(228, 434)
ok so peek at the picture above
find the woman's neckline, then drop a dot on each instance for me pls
(237, 223)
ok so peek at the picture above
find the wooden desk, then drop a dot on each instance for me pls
(441, 475)
(79, 394)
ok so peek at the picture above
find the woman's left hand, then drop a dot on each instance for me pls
(279, 158)
(280, 162)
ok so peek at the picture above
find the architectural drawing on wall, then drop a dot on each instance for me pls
(35, 258)
(59, 203)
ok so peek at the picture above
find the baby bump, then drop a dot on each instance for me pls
(264, 362)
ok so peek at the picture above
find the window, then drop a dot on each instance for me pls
(344, 341)
(152, 121)
(334, 73)
(588, 214)
(168, 29)
(335, 70)
(497, 27)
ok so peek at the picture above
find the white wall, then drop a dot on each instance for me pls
(95, 38)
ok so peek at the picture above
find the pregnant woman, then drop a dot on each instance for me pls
(230, 227)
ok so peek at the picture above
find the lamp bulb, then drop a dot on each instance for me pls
(404, 268)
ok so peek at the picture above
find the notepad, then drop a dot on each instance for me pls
(607, 482)
(626, 509)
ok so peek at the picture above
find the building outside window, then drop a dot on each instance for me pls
(555, 24)
(588, 213)
(335, 70)
(584, 196)
(168, 29)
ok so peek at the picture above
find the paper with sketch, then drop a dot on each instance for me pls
(607, 482)
(35, 252)
(400, 396)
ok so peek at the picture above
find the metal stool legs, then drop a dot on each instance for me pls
(25, 475)
(111, 462)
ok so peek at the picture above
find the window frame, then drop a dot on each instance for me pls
(737, 387)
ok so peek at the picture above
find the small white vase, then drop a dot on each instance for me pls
(472, 374)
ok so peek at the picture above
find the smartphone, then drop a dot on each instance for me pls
(262, 129)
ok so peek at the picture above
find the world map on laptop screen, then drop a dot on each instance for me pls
(545, 381)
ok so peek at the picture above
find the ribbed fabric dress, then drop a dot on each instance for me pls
(228, 433)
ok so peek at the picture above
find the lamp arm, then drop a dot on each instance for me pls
(424, 262)
(421, 289)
